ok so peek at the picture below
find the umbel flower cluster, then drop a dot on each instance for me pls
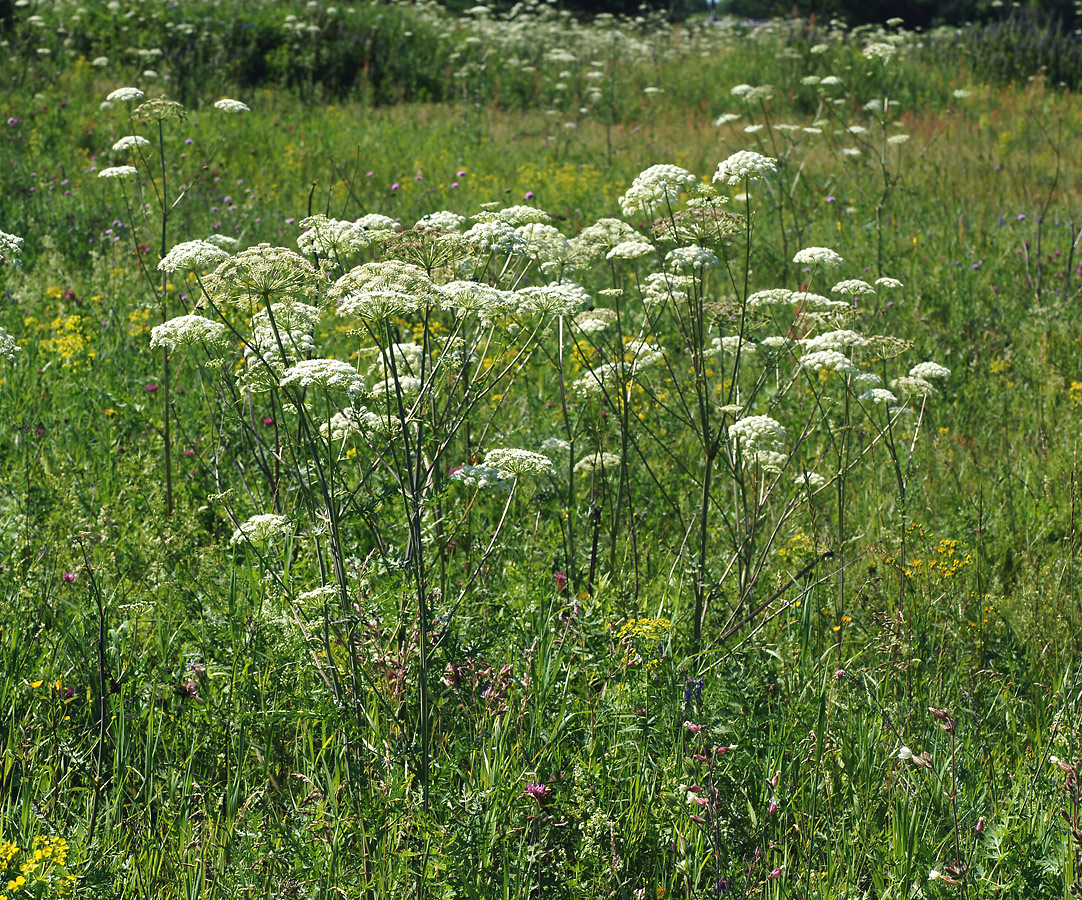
(441, 319)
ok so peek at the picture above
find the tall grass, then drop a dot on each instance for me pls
(661, 653)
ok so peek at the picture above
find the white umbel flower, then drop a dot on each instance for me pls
(130, 142)
(828, 360)
(261, 528)
(745, 165)
(192, 255)
(125, 94)
(118, 172)
(8, 347)
(630, 250)
(757, 432)
(656, 188)
(482, 478)
(513, 461)
(928, 370)
(231, 106)
(818, 256)
(692, 257)
(184, 331)
(11, 247)
(877, 396)
(329, 374)
(853, 287)
(888, 282)
(771, 297)
(833, 340)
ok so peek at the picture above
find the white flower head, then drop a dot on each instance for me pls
(692, 257)
(130, 142)
(513, 461)
(771, 297)
(8, 347)
(118, 172)
(877, 396)
(829, 361)
(757, 433)
(630, 250)
(11, 247)
(888, 282)
(126, 94)
(853, 287)
(655, 189)
(186, 331)
(927, 370)
(261, 528)
(329, 374)
(818, 256)
(192, 255)
(231, 106)
(745, 165)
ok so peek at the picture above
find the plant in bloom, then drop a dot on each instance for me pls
(191, 255)
(118, 172)
(818, 256)
(745, 165)
(231, 106)
(262, 528)
(125, 95)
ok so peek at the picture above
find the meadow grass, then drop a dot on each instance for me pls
(349, 652)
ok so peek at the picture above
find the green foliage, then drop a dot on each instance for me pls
(195, 716)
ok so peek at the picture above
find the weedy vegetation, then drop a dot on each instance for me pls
(500, 456)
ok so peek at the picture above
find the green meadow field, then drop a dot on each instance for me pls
(508, 457)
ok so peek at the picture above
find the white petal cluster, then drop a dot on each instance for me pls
(544, 243)
(231, 106)
(191, 255)
(261, 528)
(445, 220)
(11, 247)
(878, 395)
(8, 347)
(595, 241)
(379, 290)
(833, 340)
(328, 374)
(130, 142)
(879, 50)
(888, 282)
(263, 272)
(482, 478)
(184, 331)
(222, 240)
(512, 461)
(693, 257)
(914, 386)
(771, 460)
(555, 446)
(118, 172)
(745, 165)
(656, 189)
(599, 462)
(495, 237)
(125, 94)
(853, 287)
(630, 250)
(828, 360)
(477, 297)
(517, 216)
(927, 370)
(809, 479)
(757, 433)
(332, 236)
(378, 222)
(771, 297)
(561, 299)
(818, 256)
(595, 321)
